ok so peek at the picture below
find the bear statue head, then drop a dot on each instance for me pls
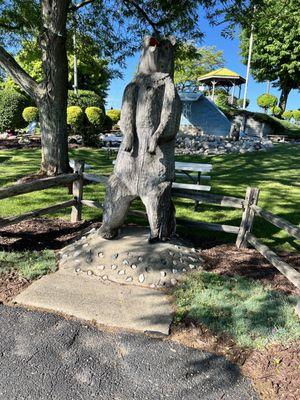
(157, 55)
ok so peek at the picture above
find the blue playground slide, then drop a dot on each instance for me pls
(201, 112)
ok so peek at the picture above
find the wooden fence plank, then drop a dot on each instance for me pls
(208, 198)
(288, 271)
(31, 214)
(247, 217)
(92, 178)
(39, 184)
(209, 226)
(281, 223)
(77, 191)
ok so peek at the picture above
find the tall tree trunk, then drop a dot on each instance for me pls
(52, 102)
(285, 91)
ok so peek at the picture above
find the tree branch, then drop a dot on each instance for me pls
(75, 7)
(143, 14)
(9, 64)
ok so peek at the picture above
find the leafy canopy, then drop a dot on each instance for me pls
(276, 49)
(192, 62)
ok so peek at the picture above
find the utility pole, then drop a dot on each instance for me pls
(249, 62)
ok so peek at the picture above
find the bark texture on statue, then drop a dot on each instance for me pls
(144, 168)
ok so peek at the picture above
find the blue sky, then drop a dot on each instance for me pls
(232, 58)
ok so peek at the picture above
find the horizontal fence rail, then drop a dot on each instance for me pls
(281, 223)
(36, 185)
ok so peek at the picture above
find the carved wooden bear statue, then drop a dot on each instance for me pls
(144, 168)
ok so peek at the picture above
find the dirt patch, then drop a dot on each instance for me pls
(273, 370)
(228, 260)
(12, 144)
(11, 284)
(42, 233)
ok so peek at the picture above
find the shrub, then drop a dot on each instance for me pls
(114, 115)
(239, 103)
(266, 101)
(30, 114)
(108, 123)
(75, 118)
(277, 111)
(12, 104)
(288, 114)
(95, 116)
(296, 115)
(84, 99)
(222, 99)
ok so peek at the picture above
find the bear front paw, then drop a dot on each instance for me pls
(127, 144)
(152, 146)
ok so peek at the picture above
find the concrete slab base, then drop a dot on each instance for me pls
(111, 304)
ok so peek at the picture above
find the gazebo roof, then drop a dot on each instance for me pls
(222, 76)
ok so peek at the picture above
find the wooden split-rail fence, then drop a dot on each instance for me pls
(75, 182)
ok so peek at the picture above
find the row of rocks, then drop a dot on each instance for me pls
(215, 145)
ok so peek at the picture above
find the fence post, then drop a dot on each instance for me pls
(248, 216)
(77, 191)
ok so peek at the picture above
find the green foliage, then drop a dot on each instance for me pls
(252, 315)
(239, 103)
(192, 62)
(84, 99)
(277, 111)
(95, 116)
(12, 104)
(266, 101)
(288, 114)
(222, 99)
(296, 115)
(30, 265)
(30, 114)
(276, 50)
(75, 118)
(108, 123)
(114, 115)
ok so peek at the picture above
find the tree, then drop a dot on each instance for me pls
(192, 62)
(116, 25)
(288, 114)
(267, 101)
(276, 50)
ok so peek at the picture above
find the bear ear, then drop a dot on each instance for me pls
(172, 40)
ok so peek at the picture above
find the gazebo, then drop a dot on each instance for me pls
(223, 77)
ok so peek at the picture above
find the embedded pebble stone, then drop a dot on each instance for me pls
(100, 254)
(77, 261)
(192, 259)
(170, 253)
(183, 270)
(77, 253)
(140, 259)
(114, 266)
(174, 271)
(191, 266)
(173, 281)
(174, 262)
(101, 267)
(115, 256)
(121, 272)
(141, 278)
(77, 269)
(90, 273)
(125, 262)
(104, 277)
(133, 266)
(129, 279)
(163, 273)
(85, 245)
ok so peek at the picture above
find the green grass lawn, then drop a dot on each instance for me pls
(242, 308)
(275, 172)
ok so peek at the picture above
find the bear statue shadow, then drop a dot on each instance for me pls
(150, 117)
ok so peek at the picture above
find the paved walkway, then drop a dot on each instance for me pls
(46, 357)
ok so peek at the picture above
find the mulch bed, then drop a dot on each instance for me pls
(274, 369)
(12, 144)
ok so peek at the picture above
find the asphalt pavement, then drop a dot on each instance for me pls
(45, 356)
